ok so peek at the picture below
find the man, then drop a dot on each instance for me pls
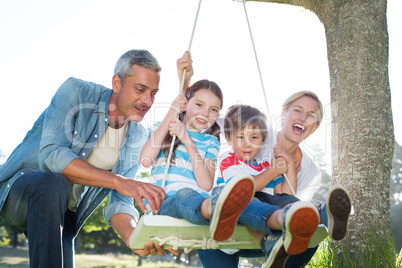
(86, 144)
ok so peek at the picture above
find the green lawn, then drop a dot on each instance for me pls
(15, 258)
(18, 258)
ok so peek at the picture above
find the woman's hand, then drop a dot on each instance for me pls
(280, 152)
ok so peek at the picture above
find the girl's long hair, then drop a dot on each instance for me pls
(214, 130)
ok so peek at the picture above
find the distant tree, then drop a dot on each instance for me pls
(190, 256)
(143, 175)
(178, 257)
(10, 235)
(396, 222)
(186, 258)
(396, 195)
(396, 175)
(97, 236)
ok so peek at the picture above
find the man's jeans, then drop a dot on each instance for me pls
(212, 258)
(37, 203)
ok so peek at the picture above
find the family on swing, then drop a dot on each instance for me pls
(251, 190)
(89, 143)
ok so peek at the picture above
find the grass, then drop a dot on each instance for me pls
(18, 258)
(324, 257)
(381, 256)
(15, 258)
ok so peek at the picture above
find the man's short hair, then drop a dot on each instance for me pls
(135, 57)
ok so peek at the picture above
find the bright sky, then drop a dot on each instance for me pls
(44, 42)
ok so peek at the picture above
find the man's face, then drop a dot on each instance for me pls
(135, 97)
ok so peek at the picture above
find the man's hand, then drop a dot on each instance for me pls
(124, 225)
(154, 249)
(138, 190)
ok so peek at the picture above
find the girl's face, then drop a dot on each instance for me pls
(300, 120)
(202, 110)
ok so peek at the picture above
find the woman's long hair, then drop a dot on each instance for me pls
(214, 130)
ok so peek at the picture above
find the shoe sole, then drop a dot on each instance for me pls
(339, 205)
(233, 199)
(301, 223)
(277, 257)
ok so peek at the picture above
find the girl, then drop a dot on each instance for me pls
(192, 166)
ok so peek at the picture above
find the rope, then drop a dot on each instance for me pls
(206, 243)
(181, 92)
(274, 137)
(256, 59)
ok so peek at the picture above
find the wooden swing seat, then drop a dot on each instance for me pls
(175, 233)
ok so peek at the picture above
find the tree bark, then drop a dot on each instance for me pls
(362, 130)
(362, 127)
(15, 238)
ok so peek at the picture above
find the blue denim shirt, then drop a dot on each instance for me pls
(68, 129)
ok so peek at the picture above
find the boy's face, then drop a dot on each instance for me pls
(246, 143)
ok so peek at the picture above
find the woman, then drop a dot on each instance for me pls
(301, 114)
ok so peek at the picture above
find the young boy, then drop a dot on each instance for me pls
(245, 131)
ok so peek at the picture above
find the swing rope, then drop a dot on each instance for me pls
(256, 59)
(205, 243)
(181, 92)
(274, 137)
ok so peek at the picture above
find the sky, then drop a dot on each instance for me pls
(44, 42)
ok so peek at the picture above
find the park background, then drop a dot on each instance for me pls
(44, 42)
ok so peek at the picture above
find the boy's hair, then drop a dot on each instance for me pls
(305, 93)
(240, 116)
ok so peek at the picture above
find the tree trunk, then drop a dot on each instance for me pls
(179, 256)
(15, 237)
(139, 260)
(362, 127)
